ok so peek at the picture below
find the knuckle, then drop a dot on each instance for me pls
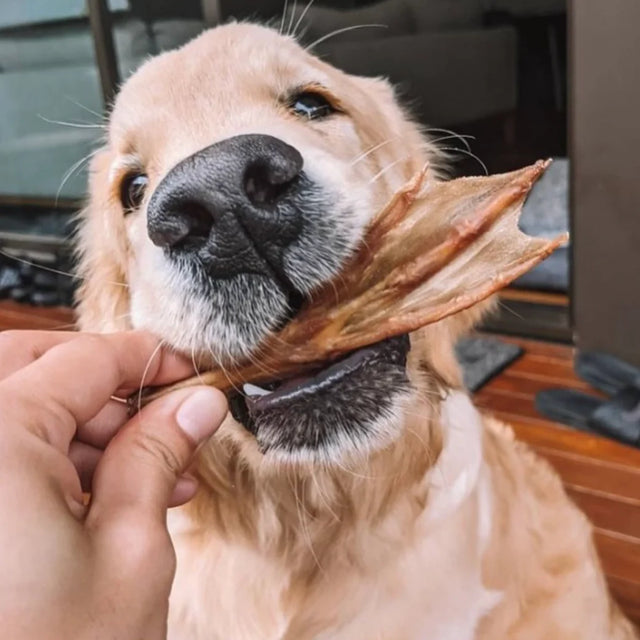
(152, 445)
(103, 348)
(95, 342)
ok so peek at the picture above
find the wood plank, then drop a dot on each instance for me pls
(601, 476)
(19, 316)
(546, 369)
(608, 511)
(620, 555)
(540, 347)
(627, 595)
(558, 438)
(522, 386)
(515, 403)
(535, 297)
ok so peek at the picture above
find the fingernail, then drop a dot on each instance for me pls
(201, 414)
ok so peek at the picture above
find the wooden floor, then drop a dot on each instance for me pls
(20, 316)
(603, 477)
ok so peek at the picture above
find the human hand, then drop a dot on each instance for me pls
(69, 570)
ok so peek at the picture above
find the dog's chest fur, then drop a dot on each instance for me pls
(225, 590)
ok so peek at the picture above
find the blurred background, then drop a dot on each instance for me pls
(489, 80)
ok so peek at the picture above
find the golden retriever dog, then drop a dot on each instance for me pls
(371, 500)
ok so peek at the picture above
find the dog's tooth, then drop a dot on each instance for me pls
(253, 390)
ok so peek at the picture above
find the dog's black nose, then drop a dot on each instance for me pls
(232, 204)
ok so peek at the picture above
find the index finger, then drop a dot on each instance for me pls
(18, 348)
(72, 381)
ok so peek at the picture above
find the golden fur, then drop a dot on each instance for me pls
(352, 549)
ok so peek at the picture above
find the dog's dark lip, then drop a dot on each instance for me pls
(277, 395)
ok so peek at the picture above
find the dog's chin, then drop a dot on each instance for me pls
(346, 408)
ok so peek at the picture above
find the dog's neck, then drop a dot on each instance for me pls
(309, 554)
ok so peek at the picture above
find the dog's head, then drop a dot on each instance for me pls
(239, 175)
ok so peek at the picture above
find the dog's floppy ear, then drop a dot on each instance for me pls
(102, 298)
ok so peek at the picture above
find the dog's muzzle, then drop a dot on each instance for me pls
(226, 204)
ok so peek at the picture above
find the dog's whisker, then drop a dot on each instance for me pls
(278, 340)
(69, 173)
(467, 153)
(262, 365)
(195, 366)
(101, 116)
(343, 30)
(225, 372)
(146, 371)
(371, 150)
(291, 16)
(302, 33)
(234, 367)
(502, 305)
(454, 137)
(387, 168)
(75, 125)
(284, 14)
(259, 351)
(301, 18)
(69, 326)
(57, 271)
(52, 270)
(463, 137)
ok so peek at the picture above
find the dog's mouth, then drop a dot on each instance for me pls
(346, 396)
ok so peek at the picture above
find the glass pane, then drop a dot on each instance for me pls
(50, 100)
(485, 78)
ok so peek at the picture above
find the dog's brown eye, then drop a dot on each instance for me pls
(132, 191)
(311, 105)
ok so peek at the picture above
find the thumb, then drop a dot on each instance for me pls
(141, 465)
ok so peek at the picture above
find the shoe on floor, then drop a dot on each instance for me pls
(606, 372)
(617, 417)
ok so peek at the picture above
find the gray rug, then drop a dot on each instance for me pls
(483, 358)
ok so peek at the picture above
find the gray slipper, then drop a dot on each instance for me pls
(617, 418)
(606, 372)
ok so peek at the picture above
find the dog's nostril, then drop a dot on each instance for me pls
(264, 185)
(200, 223)
(200, 220)
(187, 228)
